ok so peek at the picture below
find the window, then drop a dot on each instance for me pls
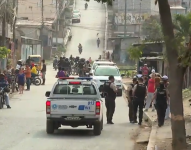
(106, 71)
(75, 89)
(35, 59)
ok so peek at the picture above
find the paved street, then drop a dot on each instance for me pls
(92, 22)
(23, 126)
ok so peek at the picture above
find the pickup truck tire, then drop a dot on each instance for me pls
(97, 128)
(49, 127)
(102, 124)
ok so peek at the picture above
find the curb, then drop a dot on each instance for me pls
(106, 26)
(152, 137)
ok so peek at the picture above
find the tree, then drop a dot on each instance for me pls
(176, 72)
(4, 52)
(152, 30)
(6, 16)
(135, 52)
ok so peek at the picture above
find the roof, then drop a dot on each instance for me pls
(146, 43)
(35, 55)
(28, 38)
(177, 7)
(104, 62)
(106, 67)
(152, 58)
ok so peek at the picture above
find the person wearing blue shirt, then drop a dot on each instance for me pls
(3, 84)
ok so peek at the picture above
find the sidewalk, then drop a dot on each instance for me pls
(161, 138)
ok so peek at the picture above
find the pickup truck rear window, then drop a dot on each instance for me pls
(75, 89)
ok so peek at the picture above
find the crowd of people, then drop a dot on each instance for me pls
(147, 92)
(67, 66)
(22, 75)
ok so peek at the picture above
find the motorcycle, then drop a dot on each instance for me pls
(55, 67)
(86, 6)
(80, 50)
(3, 93)
(36, 80)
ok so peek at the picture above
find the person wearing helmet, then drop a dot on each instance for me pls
(130, 99)
(4, 85)
(162, 99)
(55, 62)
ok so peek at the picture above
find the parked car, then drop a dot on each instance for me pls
(75, 19)
(76, 12)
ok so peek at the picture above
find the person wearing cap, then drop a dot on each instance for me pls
(4, 84)
(110, 90)
(150, 92)
(139, 94)
(145, 70)
(130, 99)
(161, 96)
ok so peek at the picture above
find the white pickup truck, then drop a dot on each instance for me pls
(74, 102)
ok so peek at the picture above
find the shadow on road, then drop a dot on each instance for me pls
(67, 133)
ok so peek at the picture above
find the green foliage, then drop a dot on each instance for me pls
(61, 49)
(151, 28)
(4, 52)
(109, 2)
(182, 31)
(135, 52)
(8, 9)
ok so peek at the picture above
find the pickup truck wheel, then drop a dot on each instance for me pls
(97, 128)
(49, 127)
(102, 124)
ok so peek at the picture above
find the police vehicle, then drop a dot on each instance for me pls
(74, 102)
(102, 73)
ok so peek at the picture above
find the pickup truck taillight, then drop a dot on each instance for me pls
(98, 106)
(48, 107)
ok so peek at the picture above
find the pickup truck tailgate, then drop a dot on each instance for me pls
(73, 107)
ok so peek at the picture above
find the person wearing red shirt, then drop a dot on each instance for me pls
(150, 90)
(145, 70)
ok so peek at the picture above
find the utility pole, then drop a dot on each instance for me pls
(15, 7)
(140, 21)
(125, 26)
(56, 22)
(42, 26)
(4, 26)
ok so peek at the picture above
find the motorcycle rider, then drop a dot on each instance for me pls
(86, 5)
(60, 62)
(98, 42)
(80, 48)
(87, 66)
(55, 62)
(68, 65)
(81, 67)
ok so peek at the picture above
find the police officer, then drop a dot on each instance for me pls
(110, 90)
(162, 99)
(130, 99)
(139, 93)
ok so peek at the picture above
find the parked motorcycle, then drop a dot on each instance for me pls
(36, 80)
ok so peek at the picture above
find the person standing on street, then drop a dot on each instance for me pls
(151, 90)
(28, 77)
(161, 96)
(130, 99)
(21, 81)
(98, 42)
(139, 93)
(110, 90)
(43, 71)
(145, 70)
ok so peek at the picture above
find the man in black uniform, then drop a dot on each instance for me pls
(130, 99)
(162, 99)
(139, 93)
(110, 90)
